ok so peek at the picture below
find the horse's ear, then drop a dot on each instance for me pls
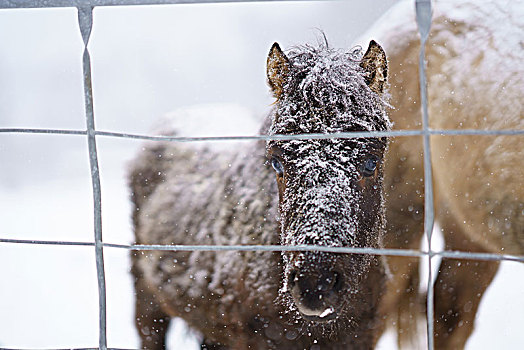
(375, 66)
(277, 69)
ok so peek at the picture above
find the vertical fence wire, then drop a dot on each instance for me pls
(423, 18)
(85, 22)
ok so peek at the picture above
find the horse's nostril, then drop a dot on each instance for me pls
(317, 284)
(292, 278)
(326, 282)
(330, 281)
(338, 282)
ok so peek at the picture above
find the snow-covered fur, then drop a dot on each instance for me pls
(322, 192)
(475, 81)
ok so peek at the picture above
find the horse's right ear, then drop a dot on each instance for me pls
(277, 69)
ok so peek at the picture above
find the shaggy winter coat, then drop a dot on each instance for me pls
(314, 192)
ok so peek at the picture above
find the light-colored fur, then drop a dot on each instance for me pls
(475, 81)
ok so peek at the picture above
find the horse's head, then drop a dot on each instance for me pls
(330, 190)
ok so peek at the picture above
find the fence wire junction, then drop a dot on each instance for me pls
(85, 22)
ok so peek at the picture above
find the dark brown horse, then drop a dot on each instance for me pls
(325, 192)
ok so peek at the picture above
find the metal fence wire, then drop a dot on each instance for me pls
(85, 22)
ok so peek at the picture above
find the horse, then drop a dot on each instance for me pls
(475, 81)
(325, 192)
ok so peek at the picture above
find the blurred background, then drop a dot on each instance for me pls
(147, 61)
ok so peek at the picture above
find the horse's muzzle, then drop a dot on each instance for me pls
(316, 292)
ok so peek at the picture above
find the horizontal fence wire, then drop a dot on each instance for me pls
(85, 15)
(277, 137)
(9, 4)
(459, 255)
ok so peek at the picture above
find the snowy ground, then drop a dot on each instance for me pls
(147, 61)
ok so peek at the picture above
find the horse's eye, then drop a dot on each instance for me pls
(277, 165)
(369, 166)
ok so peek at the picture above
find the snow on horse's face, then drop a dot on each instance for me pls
(330, 190)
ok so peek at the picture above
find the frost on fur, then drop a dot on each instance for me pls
(324, 192)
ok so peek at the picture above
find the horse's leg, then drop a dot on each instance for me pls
(458, 289)
(403, 299)
(150, 321)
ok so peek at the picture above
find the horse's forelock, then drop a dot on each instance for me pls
(328, 85)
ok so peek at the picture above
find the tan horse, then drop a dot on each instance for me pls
(475, 81)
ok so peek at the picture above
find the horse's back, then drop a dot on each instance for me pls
(179, 179)
(475, 81)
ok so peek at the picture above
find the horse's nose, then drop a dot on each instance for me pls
(316, 293)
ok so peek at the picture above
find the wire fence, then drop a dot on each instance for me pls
(85, 22)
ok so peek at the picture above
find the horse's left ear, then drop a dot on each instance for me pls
(277, 69)
(375, 66)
